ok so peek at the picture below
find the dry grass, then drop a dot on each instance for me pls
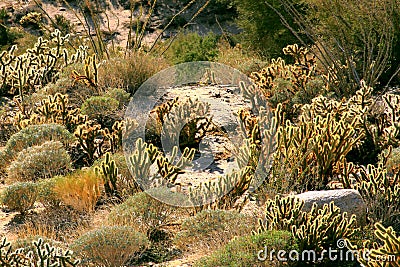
(81, 190)
(237, 58)
(30, 229)
(129, 72)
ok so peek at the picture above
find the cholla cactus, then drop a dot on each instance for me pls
(90, 77)
(380, 191)
(222, 193)
(326, 131)
(380, 255)
(37, 66)
(109, 171)
(190, 116)
(42, 255)
(54, 109)
(317, 229)
(91, 139)
(291, 84)
(168, 167)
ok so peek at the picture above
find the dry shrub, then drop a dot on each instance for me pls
(211, 229)
(110, 245)
(81, 190)
(237, 58)
(29, 231)
(43, 161)
(144, 213)
(129, 72)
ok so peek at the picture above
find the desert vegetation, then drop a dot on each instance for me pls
(78, 190)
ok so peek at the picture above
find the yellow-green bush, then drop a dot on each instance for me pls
(43, 161)
(142, 212)
(31, 136)
(20, 196)
(100, 108)
(110, 245)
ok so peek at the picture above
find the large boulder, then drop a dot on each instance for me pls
(348, 200)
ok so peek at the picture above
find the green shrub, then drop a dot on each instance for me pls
(43, 161)
(243, 251)
(210, 229)
(142, 212)
(31, 136)
(110, 245)
(20, 197)
(46, 193)
(99, 108)
(120, 95)
(263, 31)
(191, 46)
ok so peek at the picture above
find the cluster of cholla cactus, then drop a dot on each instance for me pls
(42, 254)
(37, 66)
(316, 229)
(324, 133)
(168, 166)
(187, 122)
(380, 190)
(290, 84)
(380, 255)
(109, 171)
(54, 109)
(91, 139)
(223, 193)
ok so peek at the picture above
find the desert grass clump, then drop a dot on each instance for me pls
(239, 58)
(211, 229)
(243, 250)
(80, 190)
(44, 161)
(142, 212)
(110, 245)
(20, 197)
(129, 72)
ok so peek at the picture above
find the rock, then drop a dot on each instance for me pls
(348, 200)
